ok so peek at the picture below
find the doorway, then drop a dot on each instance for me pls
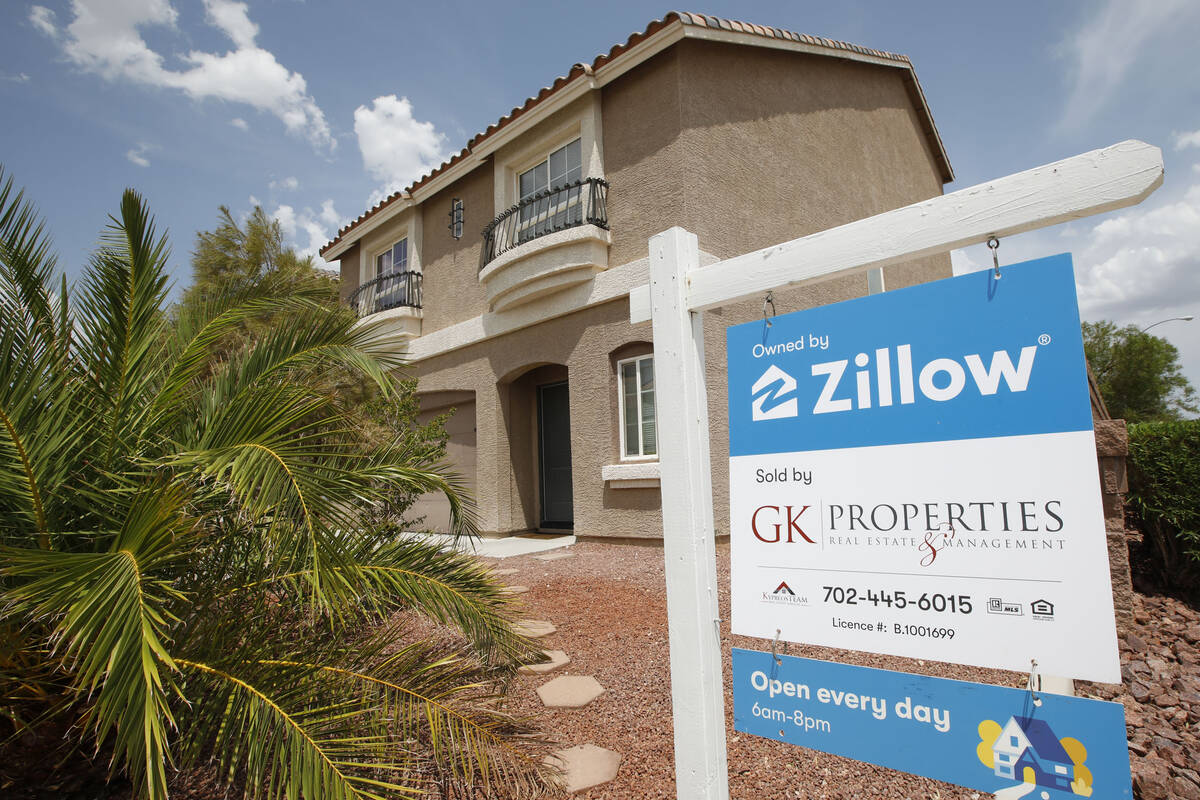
(554, 456)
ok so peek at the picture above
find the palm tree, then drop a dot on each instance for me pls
(189, 573)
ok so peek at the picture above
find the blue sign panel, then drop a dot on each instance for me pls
(964, 358)
(989, 738)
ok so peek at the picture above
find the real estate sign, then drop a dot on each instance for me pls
(990, 738)
(914, 473)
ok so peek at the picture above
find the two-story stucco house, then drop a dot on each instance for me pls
(505, 272)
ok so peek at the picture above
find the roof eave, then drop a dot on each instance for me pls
(639, 47)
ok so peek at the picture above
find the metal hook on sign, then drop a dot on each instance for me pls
(994, 245)
(1035, 682)
(768, 300)
(775, 648)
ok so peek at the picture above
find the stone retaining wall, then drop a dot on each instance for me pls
(1112, 446)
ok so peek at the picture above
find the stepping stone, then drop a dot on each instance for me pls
(554, 556)
(557, 659)
(534, 628)
(570, 691)
(584, 766)
(505, 571)
(515, 589)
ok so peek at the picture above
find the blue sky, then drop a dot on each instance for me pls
(316, 109)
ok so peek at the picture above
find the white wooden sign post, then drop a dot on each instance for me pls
(680, 291)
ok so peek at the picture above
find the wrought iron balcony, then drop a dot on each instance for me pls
(393, 290)
(582, 202)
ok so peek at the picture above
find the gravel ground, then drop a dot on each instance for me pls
(609, 604)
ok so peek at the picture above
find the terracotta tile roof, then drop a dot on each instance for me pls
(686, 18)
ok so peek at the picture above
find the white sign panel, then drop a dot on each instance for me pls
(914, 473)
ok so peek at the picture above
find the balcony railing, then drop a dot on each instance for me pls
(394, 290)
(579, 203)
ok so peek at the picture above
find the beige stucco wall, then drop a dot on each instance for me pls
(451, 286)
(642, 154)
(776, 146)
(433, 508)
(348, 273)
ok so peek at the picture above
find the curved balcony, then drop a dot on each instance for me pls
(548, 242)
(394, 298)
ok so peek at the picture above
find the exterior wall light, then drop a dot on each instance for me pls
(456, 218)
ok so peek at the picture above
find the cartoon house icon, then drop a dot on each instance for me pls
(1027, 743)
(1042, 607)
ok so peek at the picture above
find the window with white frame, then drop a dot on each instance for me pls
(560, 204)
(393, 261)
(635, 388)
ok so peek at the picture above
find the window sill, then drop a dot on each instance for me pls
(634, 475)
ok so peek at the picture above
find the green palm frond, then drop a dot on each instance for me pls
(199, 333)
(266, 723)
(122, 322)
(449, 587)
(446, 586)
(26, 267)
(441, 701)
(109, 612)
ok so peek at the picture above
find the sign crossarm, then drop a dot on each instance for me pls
(1092, 183)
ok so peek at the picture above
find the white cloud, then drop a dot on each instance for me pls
(105, 38)
(138, 155)
(1102, 52)
(308, 231)
(1183, 140)
(330, 216)
(286, 216)
(239, 123)
(290, 184)
(234, 19)
(254, 201)
(396, 148)
(20, 77)
(1143, 260)
(42, 18)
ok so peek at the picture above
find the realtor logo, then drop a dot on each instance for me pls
(1042, 609)
(996, 605)
(766, 392)
(784, 596)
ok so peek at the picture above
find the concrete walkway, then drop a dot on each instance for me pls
(507, 547)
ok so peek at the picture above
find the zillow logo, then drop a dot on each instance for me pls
(767, 390)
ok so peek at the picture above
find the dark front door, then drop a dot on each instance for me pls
(554, 455)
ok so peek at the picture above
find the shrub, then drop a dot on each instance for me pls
(190, 572)
(1164, 496)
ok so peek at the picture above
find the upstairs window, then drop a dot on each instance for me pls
(394, 259)
(392, 292)
(561, 206)
(635, 387)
